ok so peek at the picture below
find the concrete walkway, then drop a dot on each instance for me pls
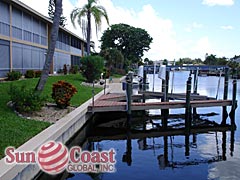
(116, 85)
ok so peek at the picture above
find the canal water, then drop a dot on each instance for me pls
(199, 156)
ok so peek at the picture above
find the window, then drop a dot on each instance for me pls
(4, 19)
(43, 40)
(27, 22)
(27, 36)
(36, 38)
(75, 43)
(75, 60)
(4, 29)
(17, 18)
(17, 32)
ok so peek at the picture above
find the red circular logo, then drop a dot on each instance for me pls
(53, 157)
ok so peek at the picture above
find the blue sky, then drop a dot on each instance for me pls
(180, 28)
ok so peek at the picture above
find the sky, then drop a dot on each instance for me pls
(179, 28)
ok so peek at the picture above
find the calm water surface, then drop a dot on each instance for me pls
(212, 155)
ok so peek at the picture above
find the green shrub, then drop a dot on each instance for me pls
(74, 69)
(60, 71)
(92, 67)
(38, 73)
(30, 74)
(26, 100)
(62, 93)
(14, 75)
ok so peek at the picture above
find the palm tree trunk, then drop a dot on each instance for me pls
(51, 46)
(88, 32)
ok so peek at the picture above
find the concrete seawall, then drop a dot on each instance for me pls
(61, 131)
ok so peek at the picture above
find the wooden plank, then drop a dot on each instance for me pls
(211, 103)
(105, 106)
(177, 95)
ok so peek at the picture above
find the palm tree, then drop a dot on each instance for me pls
(51, 46)
(88, 10)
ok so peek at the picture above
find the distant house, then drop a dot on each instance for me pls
(237, 60)
(24, 38)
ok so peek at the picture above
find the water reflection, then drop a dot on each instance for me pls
(138, 132)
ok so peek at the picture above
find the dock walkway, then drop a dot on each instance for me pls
(115, 100)
(108, 103)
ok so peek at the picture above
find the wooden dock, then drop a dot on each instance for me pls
(114, 102)
(146, 100)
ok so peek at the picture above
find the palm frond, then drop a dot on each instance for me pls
(73, 15)
(98, 12)
(104, 13)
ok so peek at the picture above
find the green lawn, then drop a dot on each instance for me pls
(14, 130)
(117, 75)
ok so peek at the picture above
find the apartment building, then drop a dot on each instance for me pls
(24, 38)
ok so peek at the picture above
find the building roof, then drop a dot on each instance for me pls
(29, 9)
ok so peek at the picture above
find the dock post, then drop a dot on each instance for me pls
(166, 85)
(188, 105)
(165, 112)
(144, 84)
(163, 90)
(225, 95)
(195, 86)
(195, 82)
(129, 93)
(234, 104)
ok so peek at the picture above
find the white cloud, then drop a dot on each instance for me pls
(227, 27)
(160, 29)
(218, 2)
(192, 26)
(166, 43)
(202, 45)
(195, 48)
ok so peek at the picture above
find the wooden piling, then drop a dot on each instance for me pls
(188, 105)
(225, 95)
(163, 90)
(129, 95)
(234, 103)
(163, 112)
(144, 84)
(195, 86)
(165, 86)
(195, 82)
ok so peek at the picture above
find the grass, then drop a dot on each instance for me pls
(14, 130)
(117, 75)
